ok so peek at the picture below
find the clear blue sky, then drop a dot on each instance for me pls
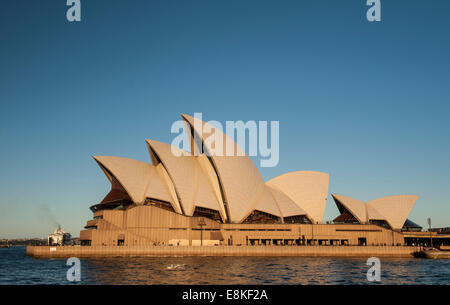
(366, 102)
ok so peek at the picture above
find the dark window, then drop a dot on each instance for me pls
(261, 217)
(208, 213)
(159, 203)
(91, 227)
(345, 217)
(296, 219)
(411, 226)
(362, 241)
(85, 242)
(380, 223)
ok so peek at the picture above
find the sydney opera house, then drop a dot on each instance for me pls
(214, 199)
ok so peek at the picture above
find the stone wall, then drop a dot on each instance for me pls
(307, 251)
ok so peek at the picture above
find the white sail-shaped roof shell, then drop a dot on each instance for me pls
(239, 178)
(157, 188)
(233, 185)
(286, 205)
(180, 170)
(133, 175)
(373, 214)
(356, 207)
(191, 183)
(308, 189)
(266, 203)
(167, 181)
(395, 209)
(140, 180)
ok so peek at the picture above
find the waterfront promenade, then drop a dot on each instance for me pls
(158, 251)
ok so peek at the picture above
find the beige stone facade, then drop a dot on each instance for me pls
(144, 225)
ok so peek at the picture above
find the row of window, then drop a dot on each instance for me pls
(257, 230)
(237, 229)
(256, 217)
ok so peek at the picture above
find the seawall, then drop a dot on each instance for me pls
(135, 251)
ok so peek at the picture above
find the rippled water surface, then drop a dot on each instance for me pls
(16, 268)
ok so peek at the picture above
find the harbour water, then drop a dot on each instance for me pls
(16, 268)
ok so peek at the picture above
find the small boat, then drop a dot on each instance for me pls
(433, 253)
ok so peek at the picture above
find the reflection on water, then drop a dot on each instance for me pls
(16, 268)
